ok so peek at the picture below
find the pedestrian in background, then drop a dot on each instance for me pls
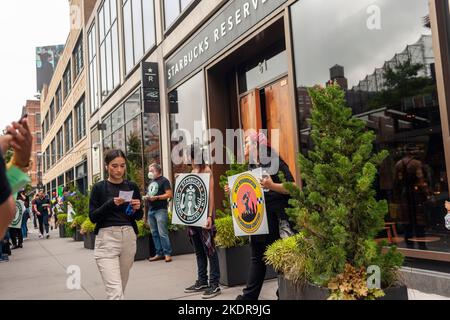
(42, 207)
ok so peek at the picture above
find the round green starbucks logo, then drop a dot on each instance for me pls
(19, 213)
(191, 199)
(153, 189)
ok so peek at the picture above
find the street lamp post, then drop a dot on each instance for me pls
(39, 158)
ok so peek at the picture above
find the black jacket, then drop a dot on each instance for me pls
(102, 209)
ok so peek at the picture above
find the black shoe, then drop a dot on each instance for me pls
(242, 298)
(197, 287)
(20, 246)
(14, 247)
(212, 291)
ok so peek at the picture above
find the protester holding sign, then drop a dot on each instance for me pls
(203, 237)
(276, 200)
(15, 229)
(116, 228)
(159, 191)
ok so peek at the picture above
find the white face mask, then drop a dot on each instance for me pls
(151, 176)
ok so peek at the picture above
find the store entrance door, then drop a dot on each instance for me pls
(268, 108)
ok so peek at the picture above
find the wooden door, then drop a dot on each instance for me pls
(280, 115)
(250, 109)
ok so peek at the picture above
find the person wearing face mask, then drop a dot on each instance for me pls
(159, 192)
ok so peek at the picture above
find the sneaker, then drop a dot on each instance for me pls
(4, 258)
(197, 287)
(47, 236)
(41, 236)
(211, 292)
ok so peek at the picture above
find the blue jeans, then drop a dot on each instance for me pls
(158, 226)
(25, 218)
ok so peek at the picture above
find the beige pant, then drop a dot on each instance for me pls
(115, 248)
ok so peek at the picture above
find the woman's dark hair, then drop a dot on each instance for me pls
(113, 154)
(196, 149)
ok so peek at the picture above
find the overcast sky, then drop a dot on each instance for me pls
(24, 25)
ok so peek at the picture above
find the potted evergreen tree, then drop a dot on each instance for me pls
(336, 213)
(62, 225)
(80, 205)
(76, 227)
(87, 230)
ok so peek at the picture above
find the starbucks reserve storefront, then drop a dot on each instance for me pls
(250, 67)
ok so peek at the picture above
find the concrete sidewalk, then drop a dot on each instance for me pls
(39, 271)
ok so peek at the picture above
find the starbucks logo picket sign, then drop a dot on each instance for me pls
(17, 221)
(191, 199)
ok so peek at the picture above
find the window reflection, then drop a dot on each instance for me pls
(139, 30)
(137, 134)
(188, 111)
(389, 78)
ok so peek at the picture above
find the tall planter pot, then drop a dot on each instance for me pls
(89, 240)
(288, 290)
(235, 264)
(144, 248)
(62, 231)
(180, 243)
(77, 236)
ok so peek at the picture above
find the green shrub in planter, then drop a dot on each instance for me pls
(225, 237)
(69, 232)
(78, 221)
(286, 257)
(87, 226)
(173, 227)
(143, 229)
(62, 218)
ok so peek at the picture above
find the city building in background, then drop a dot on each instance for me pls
(32, 109)
(46, 61)
(153, 66)
(64, 112)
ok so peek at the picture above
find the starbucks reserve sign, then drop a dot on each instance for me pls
(233, 21)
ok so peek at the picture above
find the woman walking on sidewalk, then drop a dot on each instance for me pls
(203, 238)
(116, 228)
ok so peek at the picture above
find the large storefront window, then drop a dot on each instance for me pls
(187, 116)
(81, 175)
(70, 177)
(139, 30)
(68, 133)
(109, 47)
(141, 143)
(80, 112)
(381, 54)
(172, 9)
(92, 48)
